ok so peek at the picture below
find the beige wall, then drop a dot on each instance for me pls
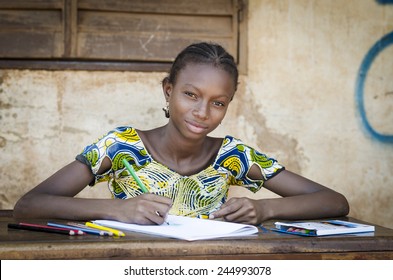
(296, 103)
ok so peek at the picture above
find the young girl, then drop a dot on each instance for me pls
(185, 171)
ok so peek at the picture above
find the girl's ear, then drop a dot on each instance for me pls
(167, 88)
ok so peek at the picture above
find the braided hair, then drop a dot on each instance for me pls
(204, 53)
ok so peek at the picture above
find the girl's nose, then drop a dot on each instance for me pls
(201, 111)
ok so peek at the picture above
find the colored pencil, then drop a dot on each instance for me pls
(89, 231)
(41, 229)
(79, 232)
(264, 230)
(82, 226)
(133, 174)
(114, 231)
(138, 181)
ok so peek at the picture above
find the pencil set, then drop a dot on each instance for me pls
(43, 228)
(72, 229)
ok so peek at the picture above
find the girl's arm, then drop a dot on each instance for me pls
(54, 198)
(301, 199)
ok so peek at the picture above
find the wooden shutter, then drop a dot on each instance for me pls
(31, 29)
(112, 34)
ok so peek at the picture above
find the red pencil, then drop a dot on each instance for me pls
(76, 232)
(42, 229)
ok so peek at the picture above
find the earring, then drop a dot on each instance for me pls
(166, 110)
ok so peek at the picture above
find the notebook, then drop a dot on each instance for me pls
(328, 227)
(186, 228)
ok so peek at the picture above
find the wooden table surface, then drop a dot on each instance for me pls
(21, 244)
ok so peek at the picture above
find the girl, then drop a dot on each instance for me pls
(186, 171)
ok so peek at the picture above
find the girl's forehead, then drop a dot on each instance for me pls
(206, 77)
(204, 72)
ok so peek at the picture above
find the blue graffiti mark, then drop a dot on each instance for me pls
(383, 2)
(378, 47)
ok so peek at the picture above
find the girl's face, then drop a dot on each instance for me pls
(199, 99)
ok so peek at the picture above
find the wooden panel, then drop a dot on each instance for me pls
(70, 27)
(32, 45)
(103, 65)
(242, 38)
(31, 20)
(147, 37)
(143, 47)
(31, 33)
(106, 33)
(139, 23)
(206, 7)
(31, 4)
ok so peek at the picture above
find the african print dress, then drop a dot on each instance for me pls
(196, 195)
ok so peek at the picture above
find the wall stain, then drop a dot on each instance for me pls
(5, 105)
(72, 130)
(60, 83)
(3, 142)
(290, 155)
(4, 75)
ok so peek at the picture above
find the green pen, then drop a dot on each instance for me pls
(139, 182)
(133, 174)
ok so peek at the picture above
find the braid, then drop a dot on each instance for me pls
(205, 53)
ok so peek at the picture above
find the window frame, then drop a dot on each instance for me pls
(69, 61)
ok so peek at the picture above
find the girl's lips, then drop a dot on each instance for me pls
(195, 127)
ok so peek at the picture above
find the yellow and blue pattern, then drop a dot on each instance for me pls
(196, 195)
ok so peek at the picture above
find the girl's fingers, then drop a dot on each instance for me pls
(158, 209)
(239, 210)
(229, 207)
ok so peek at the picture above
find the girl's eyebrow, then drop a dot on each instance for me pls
(191, 85)
(221, 95)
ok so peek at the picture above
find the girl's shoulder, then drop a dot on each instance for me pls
(229, 142)
(235, 147)
(120, 134)
(118, 140)
(125, 132)
(230, 146)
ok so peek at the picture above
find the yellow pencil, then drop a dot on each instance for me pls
(114, 231)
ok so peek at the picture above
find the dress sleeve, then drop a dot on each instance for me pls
(238, 158)
(115, 145)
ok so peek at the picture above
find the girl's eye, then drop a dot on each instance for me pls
(190, 94)
(219, 104)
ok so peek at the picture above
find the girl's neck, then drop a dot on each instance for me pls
(180, 147)
(179, 154)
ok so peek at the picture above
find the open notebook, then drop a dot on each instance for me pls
(186, 228)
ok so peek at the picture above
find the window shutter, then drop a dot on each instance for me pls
(142, 35)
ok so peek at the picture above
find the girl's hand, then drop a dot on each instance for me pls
(145, 209)
(241, 210)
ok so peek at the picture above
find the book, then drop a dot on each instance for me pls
(320, 228)
(186, 228)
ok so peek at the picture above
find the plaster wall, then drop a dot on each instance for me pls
(297, 102)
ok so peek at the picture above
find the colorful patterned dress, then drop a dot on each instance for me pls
(196, 195)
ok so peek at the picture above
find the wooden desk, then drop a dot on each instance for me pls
(20, 244)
